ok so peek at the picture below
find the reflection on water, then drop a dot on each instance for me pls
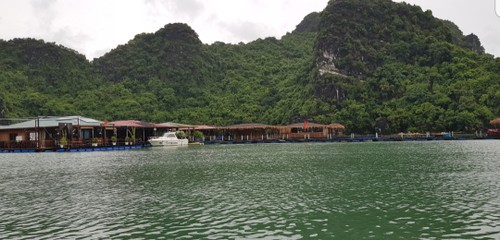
(430, 190)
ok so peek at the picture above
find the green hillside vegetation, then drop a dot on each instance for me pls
(371, 65)
(38, 78)
(392, 66)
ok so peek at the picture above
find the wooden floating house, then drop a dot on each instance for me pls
(255, 132)
(312, 131)
(77, 133)
(68, 133)
(133, 131)
(249, 132)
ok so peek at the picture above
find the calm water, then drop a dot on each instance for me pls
(426, 190)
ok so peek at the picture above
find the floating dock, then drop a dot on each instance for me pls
(84, 149)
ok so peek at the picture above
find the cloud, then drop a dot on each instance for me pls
(44, 12)
(497, 7)
(245, 30)
(98, 53)
(95, 26)
(66, 37)
(185, 9)
(189, 8)
(490, 41)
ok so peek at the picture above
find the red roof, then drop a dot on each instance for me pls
(204, 127)
(173, 125)
(495, 121)
(131, 123)
(309, 125)
(249, 126)
(336, 126)
(316, 125)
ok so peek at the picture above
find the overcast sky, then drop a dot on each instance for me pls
(93, 27)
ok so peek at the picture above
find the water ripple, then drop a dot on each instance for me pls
(286, 191)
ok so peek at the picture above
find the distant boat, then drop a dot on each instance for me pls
(168, 139)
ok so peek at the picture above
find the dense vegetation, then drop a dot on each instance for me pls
(367, 64)
(396, 68)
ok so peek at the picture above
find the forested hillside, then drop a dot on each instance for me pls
(397, 68)
(371, 65)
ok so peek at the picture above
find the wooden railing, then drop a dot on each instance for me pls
(309, 135)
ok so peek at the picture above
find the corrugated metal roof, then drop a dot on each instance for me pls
(174, 125)
(316, 125)
(47, 122)
(249, 126)
(309, 125)
(132, 123)
(205, 127)
(336, 126)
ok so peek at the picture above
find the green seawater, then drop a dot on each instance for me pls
(397, 190)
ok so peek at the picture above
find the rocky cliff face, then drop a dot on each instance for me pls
(357, 37)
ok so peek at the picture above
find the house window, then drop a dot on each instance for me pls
(33, 136)
(12, 137)
(86, 134)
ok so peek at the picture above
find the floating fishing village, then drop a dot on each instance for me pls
(82, 134)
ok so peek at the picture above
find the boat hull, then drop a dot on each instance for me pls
(164, 143)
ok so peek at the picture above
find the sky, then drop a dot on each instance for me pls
(94, 27)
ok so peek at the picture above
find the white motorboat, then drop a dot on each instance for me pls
(168, 139)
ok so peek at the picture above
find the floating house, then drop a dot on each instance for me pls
(132, 131)
(210, 132)
(250, 132)
(49, 132)
(314, 131)
(255, 132)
